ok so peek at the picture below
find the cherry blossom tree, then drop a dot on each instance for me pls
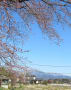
(44, 12)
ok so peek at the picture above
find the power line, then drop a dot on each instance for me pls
(59, 73)
(51, 65)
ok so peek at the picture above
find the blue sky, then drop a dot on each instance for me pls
(46, 52)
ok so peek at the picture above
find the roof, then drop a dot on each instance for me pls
(3, 77)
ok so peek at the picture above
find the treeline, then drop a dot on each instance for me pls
(56, 81)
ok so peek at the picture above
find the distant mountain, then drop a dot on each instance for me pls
(46, 76)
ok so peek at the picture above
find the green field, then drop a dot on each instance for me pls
(40, 87)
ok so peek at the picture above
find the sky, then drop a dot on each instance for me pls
(44, 54)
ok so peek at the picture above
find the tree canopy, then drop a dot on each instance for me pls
(44, 12)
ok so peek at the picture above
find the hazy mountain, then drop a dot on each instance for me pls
(46, 76)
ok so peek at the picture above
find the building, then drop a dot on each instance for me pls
(4, 81)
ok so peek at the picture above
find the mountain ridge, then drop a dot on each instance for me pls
(46, 76)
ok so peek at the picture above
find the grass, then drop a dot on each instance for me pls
(3, 89)
(40, 87)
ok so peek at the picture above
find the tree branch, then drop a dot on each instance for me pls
(53, 3)
(66, 1)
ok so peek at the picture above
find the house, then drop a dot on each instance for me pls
(32, 79)
(4, 81)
